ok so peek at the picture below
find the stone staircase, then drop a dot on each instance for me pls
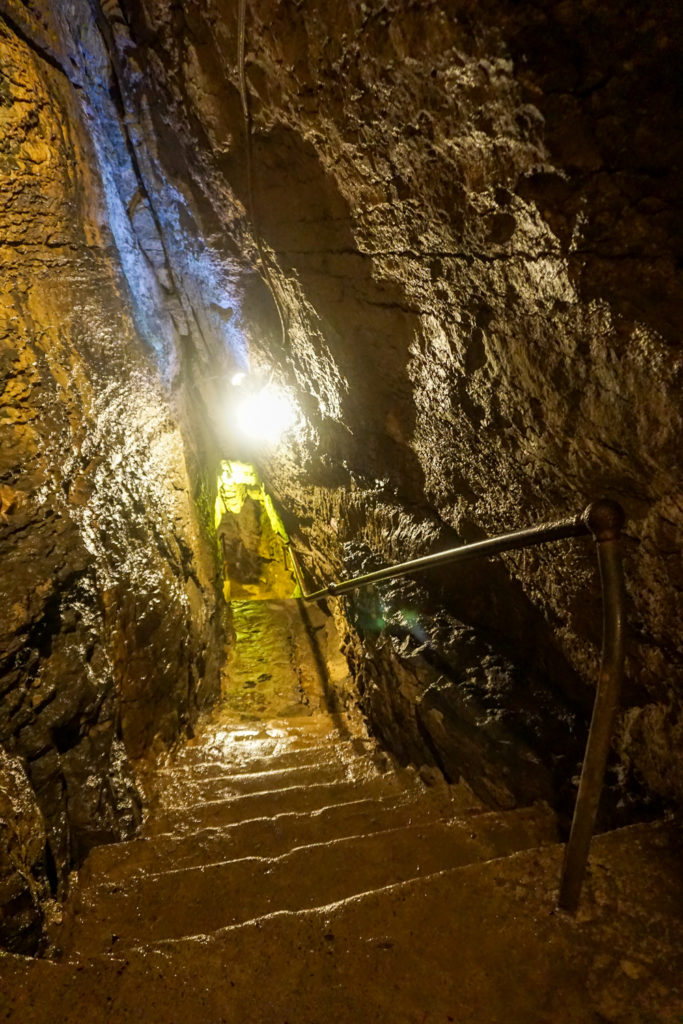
(316, 822)
(289, 873)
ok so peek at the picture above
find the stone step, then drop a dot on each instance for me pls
(300, 799)
(230, 753)
(208, 897)
(482, 944)
(296, 758)
(270, 836)
(180, 791)
(264, 740)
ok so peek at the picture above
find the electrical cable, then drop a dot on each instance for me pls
(251, 205)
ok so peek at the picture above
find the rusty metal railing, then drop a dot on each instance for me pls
(603, 520)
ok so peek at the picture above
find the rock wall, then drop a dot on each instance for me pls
(471, 214)
(108, 615)
(24, 887)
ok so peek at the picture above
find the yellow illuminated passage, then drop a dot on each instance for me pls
(252, 537)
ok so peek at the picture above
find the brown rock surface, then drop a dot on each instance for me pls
(106, 593)
(472, 221)
(471, 217)
(23, 882)
(364, 899)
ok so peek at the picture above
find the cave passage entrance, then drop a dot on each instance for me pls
(275, 667)
(252, 537)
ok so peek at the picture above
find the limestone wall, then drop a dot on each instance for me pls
(472, 215)
(107, 602)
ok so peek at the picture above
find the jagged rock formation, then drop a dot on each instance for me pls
(108, 617)
(24, 887)
(470, 214)
(471, 219)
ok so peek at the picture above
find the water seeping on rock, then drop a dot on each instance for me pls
(290, 292)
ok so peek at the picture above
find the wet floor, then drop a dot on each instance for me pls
(283, 661)
(288, 871)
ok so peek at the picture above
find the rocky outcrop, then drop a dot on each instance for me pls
(24, 888)
(108, 622)
(469, 214)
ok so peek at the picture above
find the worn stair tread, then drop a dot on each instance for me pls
(480, 944)
(179, 791)
(344, 751)
(207, 897)
(270, 802)
(294, 758)
(229, 752)
(274, 738)
(271, 835)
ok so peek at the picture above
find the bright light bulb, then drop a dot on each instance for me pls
(237, 379)
(266, 415)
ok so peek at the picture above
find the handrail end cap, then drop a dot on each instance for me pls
(605, 519)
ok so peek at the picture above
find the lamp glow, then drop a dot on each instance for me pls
(265, 415)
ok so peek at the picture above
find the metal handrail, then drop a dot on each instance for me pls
(603, 520)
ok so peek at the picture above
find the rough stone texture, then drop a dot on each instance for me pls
(472, 219)
(107, 594)
(255, 563)
(283, 659)
(287, 871)
(472, 214)
(23, 880)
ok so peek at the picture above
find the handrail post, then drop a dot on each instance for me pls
(605, 520)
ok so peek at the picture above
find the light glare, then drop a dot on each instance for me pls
(266, 415)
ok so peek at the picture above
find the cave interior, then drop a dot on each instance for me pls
(293, 291)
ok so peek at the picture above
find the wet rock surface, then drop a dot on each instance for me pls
(286, 872)
(470, 215)
(24, 890)
(289, 870)
(406, 654)
(107, 599)
(282, 652)
(471, 219)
